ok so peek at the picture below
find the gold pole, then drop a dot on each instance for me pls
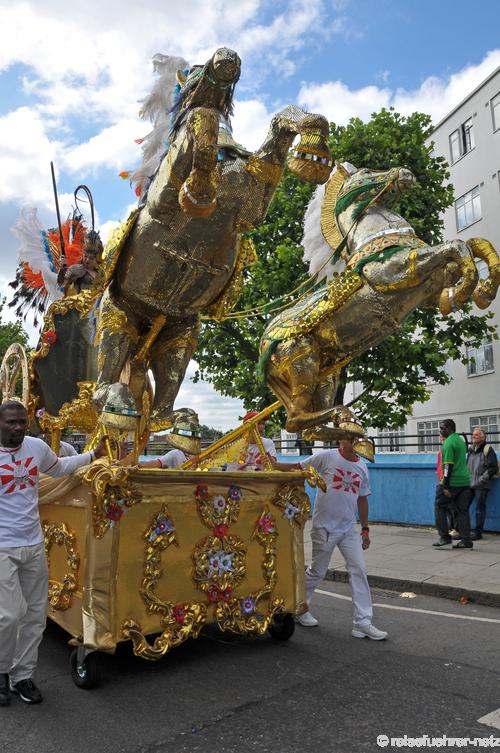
(149, 339)
(55, 440)
(235, 433)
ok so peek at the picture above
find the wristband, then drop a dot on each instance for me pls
(365, 531)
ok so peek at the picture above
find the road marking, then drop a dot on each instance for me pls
(413, 609)
(491, 720)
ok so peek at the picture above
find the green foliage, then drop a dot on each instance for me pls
(10, 332)
(397, 373)
(209, 434)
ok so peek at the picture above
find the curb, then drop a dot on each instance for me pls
(421, 587)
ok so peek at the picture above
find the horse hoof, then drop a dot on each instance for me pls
(194, 207)
(313, 168)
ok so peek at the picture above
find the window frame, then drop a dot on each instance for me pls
(473, 196)
(425, 434)
(484, 423)
(495, 109)
(463, 138)
(389, 440)
(485, 344)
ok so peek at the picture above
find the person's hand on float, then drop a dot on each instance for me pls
(101, 448)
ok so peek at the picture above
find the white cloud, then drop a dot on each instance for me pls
(339, 103)
(213, 409)
(250, 122)
(435, 96)
(113, 147)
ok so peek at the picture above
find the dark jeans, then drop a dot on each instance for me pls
(480, 497)
(458, 505)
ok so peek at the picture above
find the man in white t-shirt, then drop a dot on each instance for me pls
(23, 565)
(334, 524)
(185, 438)
(254, 459)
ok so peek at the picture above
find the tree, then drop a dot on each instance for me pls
(208, 433)
(394, 375)
(10, 332)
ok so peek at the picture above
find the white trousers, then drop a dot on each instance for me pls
(23, 608)
(349, 544)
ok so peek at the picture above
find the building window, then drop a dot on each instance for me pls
(390, 440)
(495, 111)
(468, 208)
(489, 424)
(481, 359)
(428, 436)
(462, 140)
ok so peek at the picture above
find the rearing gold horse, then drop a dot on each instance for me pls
(184, 253)
(388, 272)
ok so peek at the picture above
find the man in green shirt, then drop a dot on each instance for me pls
(456, 493)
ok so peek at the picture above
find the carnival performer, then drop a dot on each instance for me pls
(81, 276)
(23, 564)
(456, 496)
(334, 524)
(254, 459)
(185, 438)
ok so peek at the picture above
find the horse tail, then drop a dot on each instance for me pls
(486, 290)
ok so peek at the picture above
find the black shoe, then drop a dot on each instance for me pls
(27, 691)
(476, 535)
(4, 690)
(442, 542)
(463, 545)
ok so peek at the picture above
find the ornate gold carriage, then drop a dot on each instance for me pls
(154, 555)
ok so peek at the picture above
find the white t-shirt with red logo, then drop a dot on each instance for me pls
(254, 455)
(346, 480)
(19, 472)
(172, 459)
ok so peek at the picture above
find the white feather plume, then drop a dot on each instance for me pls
(317, 252)
(32, 250)
(156, 108)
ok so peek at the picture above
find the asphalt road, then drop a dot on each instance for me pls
(321, 691)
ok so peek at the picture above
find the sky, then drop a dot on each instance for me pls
(71, 78)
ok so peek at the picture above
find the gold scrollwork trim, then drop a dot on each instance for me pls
(294, 502)
(219, 562)
(78, 413)
(60, 594)
(241, 615)
(178, 621)
(112, 492)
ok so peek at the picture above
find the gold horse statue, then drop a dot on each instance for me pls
(183, 254)
(380, 273)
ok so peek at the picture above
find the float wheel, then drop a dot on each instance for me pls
(282, 627)
(86, 673)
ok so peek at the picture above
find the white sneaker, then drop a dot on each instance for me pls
(307, 620)
(368, 631)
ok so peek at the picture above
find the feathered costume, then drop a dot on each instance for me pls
(40, 260)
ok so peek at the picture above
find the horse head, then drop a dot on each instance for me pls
(209, 85)
(365, 188)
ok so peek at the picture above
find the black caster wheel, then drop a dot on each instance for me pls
(86, 674)
(282, 627)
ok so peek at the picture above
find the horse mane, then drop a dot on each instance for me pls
(317, 251)
(156, 107)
